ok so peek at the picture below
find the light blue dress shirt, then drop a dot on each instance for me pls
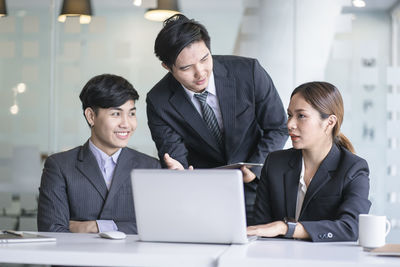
(107, 166)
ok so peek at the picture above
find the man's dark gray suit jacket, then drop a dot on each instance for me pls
(254, 119)
(73, 188)
(337, 194)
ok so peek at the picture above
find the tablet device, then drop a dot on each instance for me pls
(238, 165)
(22, 237)
(387, 250)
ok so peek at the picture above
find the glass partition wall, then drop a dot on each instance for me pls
(26, 47)
(44, 65)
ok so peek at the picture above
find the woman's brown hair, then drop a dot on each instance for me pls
(327, 100)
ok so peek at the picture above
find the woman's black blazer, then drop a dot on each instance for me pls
(337, 194)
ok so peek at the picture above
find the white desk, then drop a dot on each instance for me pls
(91, 250)
(281, 252)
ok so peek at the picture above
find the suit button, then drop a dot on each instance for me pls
(330, 235)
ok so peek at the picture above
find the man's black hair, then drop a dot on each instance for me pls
(107, 91)
(177, 33)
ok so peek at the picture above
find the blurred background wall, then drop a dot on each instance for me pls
(45, 63)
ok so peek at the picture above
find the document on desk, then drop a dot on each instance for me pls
(238, 165)
(387, 250)
(8, 236)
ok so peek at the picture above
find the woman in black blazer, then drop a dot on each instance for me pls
(317, 189)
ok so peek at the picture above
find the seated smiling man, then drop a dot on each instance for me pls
(88, 189)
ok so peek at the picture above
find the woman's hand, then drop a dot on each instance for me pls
(277, 228)
(268, 230)
(173, 164)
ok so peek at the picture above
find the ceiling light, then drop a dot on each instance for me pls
(164, 10)
(137, 2)
(14, 109)
(21, 88)
(358, 3)
(84, 19)
(3, 8)
(76, 8)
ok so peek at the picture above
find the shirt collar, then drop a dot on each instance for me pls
(210, 88)
(101, 156)
(302, 182)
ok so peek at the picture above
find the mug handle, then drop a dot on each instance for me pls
(388, 227)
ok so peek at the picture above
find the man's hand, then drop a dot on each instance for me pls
(173, 164)
(248, 175)
(83, 227)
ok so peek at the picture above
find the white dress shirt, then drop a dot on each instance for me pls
(301, 192)
(212, 100)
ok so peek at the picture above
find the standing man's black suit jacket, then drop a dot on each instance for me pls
(254, 119)
(73, 188)
(337, 194)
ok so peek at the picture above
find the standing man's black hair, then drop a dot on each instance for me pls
(177, 33)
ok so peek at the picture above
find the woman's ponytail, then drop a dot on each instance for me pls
(343, 141)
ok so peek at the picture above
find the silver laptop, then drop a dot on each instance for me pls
(199, 206)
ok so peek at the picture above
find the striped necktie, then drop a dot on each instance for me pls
(209, 117)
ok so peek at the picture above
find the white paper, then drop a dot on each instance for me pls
(30, 49)
(122, 50)
(97, 25)
(7, 49)
(30, 73)
(72, 50)
(7, 25)
(30, 24)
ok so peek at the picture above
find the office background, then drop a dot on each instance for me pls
(45, 63)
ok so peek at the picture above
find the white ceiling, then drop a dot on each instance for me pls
(373, 5)
(380, 4)
(126, 4)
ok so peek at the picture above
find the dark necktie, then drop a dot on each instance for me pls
(209, 117)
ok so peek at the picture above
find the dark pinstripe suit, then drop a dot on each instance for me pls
(73, 188)
(252, 112)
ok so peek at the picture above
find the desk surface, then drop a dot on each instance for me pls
(283, 252)
(90, 249)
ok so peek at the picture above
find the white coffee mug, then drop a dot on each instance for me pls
(372, 230)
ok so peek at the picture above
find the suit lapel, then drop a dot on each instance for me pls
(322, 176)
(184, 106)
(89, 167)
(291, 183)
(226, 93)
(122, 172)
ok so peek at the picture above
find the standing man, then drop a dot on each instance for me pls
(210, 111)
(88, 189)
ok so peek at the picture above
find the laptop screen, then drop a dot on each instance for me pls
(189, 206)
